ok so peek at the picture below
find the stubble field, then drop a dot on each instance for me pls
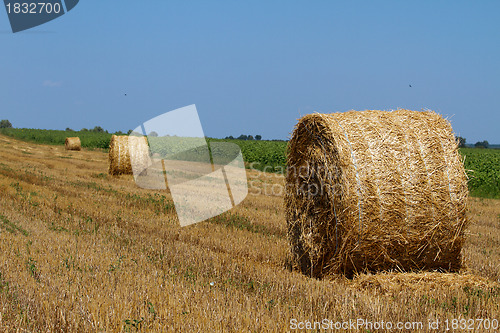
(83, 251)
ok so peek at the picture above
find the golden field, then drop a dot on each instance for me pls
(82, 251)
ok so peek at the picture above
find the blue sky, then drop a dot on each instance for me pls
(253, 67)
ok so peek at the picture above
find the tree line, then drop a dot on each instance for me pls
(480, 144)
(245, 137)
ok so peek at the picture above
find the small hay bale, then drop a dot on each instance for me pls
(123, 150)
(375, 191)
(73, 143)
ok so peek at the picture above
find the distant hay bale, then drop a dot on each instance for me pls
(375, 191)
(73, 143)
(125, 150)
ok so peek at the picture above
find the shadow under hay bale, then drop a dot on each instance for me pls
(125, 150)
(73, 143)
(375, 191)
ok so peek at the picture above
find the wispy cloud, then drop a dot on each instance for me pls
(50, 83)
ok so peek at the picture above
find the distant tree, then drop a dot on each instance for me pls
(153, 134)
(250, 137)
(119, 133)
(5, 124)
(84, 130)
(461, 142)
(69, 129)
(129, 131)
(242, 137)
(98, 129)
(258, 137)
(482, 144)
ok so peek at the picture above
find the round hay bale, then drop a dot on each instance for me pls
(73, 143)
(394, 283)
(375, 191)
(127, 150)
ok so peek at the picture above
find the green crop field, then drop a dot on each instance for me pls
(483, 168)
(263, 155)
(482, 165)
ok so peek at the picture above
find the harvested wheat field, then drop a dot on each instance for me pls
(84, 251)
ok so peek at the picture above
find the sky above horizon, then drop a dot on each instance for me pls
(253, 67)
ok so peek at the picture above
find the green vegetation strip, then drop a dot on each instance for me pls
(482, 165)
(269, 156)
(89, 139)
(260, 155)
(483, 169)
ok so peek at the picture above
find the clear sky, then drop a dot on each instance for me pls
(253, 67)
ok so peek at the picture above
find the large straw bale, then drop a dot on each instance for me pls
(73, 143)
(375, 191)
(123, 150)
